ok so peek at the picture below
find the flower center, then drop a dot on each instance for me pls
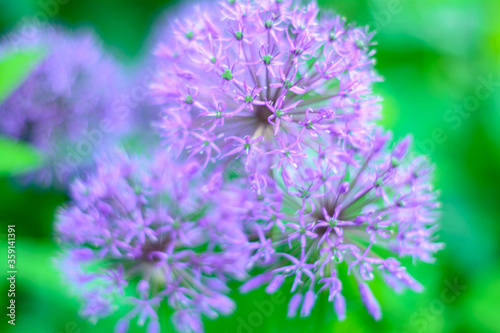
(360, 45)
(227, 75)
(263, 113)
(189, 99)
(159, 246)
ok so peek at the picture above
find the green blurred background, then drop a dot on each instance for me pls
(441, 64)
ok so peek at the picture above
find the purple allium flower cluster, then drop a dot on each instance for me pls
(153, 224)
(320, 192)
(345, 208)
(256, 78)
(66, 106)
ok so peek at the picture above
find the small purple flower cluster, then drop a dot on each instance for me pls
(69, 95)
(273, 161)
(152, 221)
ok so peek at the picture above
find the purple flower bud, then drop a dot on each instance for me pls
(401, 148)
(293, 305)
(187, 321)
(412, 283)
(153, 327)
(339, 307)
(143, 286)
(122, 326)
(275, 283)
(307, 305)
(369, 301)
(344, 187)
(255, 283)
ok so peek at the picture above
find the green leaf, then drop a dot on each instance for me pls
(15, 68)
(17, 157)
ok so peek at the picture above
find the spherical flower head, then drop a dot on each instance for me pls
(66, 106)
(349, 208)
(148, 228)
(243, 79)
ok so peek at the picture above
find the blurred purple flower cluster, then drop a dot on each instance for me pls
(274, 171)
(68, 101)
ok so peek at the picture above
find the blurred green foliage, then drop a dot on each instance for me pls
(441, 64)
(17, 157)
(14, 68)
